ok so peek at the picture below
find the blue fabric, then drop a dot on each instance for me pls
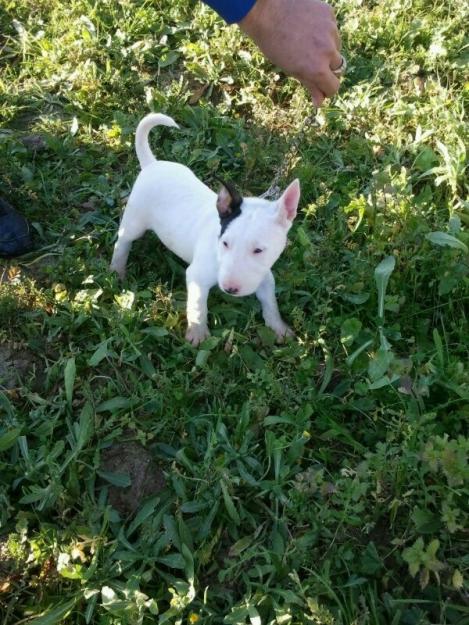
(231, 10)
(14, 231)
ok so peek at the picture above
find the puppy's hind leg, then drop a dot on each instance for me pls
(129, 231)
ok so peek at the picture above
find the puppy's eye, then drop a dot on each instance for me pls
(225, 243)
(258, 250)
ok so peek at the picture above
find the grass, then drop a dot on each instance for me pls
(324, 481)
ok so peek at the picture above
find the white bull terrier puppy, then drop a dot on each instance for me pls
(225, 239)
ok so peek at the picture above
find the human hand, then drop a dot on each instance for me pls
(301, 37)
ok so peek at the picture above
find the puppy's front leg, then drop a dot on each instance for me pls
(197, 294)
(266, 295)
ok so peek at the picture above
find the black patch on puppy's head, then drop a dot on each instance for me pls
(229, 202)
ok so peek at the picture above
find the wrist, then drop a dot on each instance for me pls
(262, 18)
(256, 18)
(251, 21)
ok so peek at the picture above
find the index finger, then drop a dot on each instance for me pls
(317, 95)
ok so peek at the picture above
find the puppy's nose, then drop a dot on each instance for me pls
(232, 290)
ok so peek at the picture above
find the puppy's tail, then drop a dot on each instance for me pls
(144, 154)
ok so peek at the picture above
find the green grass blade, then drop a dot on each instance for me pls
(69, 375)
(382, 274)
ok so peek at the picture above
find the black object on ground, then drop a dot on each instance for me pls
(15, 237)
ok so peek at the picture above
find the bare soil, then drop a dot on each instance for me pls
(146, 477)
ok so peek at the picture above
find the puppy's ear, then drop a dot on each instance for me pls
(288, 202)
(229, 199)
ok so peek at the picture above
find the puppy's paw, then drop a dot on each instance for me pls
(121, 271)
(196, 334)
(282, 332)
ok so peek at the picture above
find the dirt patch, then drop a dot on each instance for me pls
(146, 477)
(17, 364)
(41, 269)
(35, 143)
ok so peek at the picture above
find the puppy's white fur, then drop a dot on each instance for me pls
(170, 200)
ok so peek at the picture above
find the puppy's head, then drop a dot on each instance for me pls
(253, 234)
